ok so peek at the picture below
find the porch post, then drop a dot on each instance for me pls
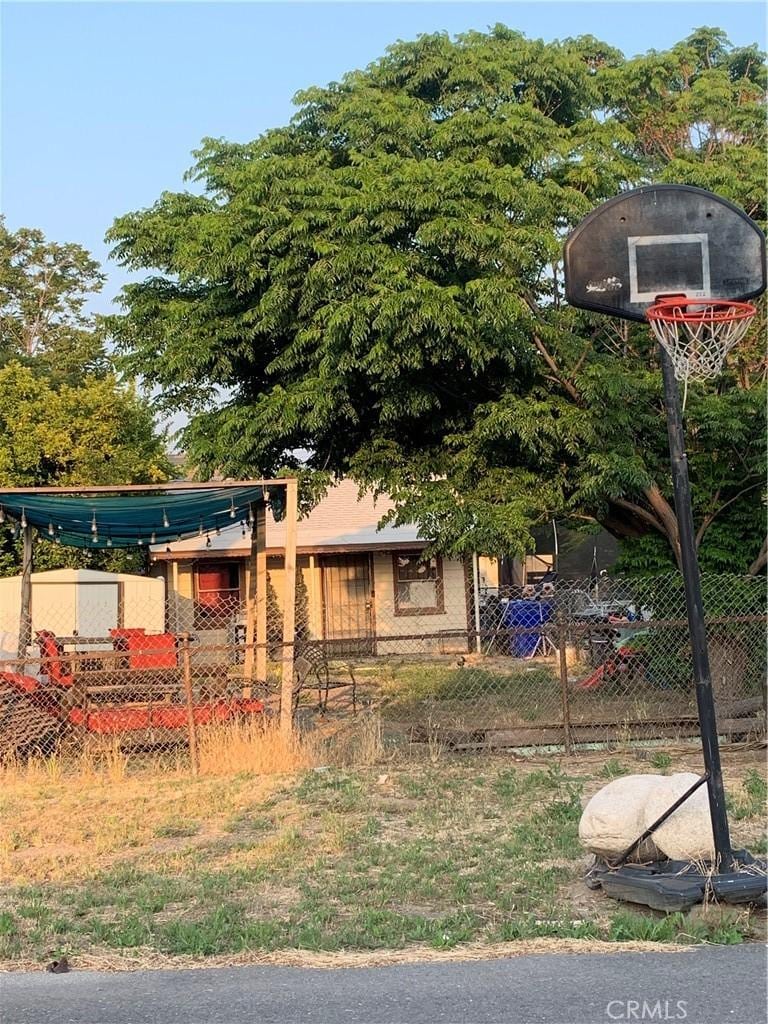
(289, 607)
(25, 614)
(261, 592)
(255, 660)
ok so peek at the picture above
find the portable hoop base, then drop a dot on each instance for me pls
(697, 334)
(676, 885)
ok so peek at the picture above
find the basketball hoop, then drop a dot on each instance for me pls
(697, 334)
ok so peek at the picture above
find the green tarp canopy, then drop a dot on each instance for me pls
(134, 519)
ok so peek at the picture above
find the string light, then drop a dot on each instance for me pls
(109, 542)
(94, 528)
(23, 520)
(200, 531)
(166, 524)
(50, 530)
(153, 538)
(232, 513)
(141, 542)
(2, 514)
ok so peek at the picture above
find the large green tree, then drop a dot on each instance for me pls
(375, 290)
(66, 417)
(44, 290)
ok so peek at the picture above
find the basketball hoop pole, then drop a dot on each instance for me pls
(695, 608)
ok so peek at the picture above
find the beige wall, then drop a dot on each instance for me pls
(488, 570)
(457, 599)
(389, 624)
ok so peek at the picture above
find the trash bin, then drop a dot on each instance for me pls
(526, 615)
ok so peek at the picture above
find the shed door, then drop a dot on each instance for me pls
(348, 603)
(97, 608)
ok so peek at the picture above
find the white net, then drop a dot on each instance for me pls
(697, 336)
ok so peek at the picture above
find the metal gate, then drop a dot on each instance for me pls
(348, 603)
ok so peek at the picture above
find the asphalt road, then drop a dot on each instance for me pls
(713, 985)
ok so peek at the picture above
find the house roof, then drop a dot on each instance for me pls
(342, 521)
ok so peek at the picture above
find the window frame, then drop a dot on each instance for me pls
(439, 607)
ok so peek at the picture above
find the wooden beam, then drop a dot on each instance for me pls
(255, 666)
(178, 485)
(289, 608)
(261, 595)
(25, 615)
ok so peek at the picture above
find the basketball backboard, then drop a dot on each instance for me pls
(662, 240)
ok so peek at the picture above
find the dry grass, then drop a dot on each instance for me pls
(150, 960)
(256, 747)
(276, 847)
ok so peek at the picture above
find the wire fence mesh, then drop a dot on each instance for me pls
(152, 665)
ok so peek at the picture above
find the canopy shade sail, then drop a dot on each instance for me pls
(121, 520)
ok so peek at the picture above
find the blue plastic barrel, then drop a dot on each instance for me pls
(525, 615)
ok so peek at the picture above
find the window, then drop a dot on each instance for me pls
(217, 592)
(418, 584)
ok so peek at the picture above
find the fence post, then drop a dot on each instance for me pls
(189, 698)
(562, 638)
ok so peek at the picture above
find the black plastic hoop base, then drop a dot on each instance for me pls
(672, 885)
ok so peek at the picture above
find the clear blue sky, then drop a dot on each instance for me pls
(102, 103)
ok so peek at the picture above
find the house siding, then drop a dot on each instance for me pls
(388, 624)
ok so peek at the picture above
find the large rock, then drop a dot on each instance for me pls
(623, 810)
(616, 816)
(686, 834)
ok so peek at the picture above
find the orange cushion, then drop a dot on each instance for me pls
(155, 650)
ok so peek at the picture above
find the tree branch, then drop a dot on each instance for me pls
(666, 514)
(559, 376)
(549, 359)
(640, 513)
(708, 519)
(760, 561)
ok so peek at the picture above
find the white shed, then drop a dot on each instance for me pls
(85, 602)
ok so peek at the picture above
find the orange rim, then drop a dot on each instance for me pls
(706, 311)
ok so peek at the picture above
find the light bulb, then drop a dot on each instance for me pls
(23, 520)
(166, 524)
(50, 529)
(153, 538)
(109, 542)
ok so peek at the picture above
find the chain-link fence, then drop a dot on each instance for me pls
(155, 665)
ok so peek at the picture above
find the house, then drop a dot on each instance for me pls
(368, 590)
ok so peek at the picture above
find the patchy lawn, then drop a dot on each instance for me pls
(440, 854)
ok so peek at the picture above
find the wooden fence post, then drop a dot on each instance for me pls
(186, 663)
